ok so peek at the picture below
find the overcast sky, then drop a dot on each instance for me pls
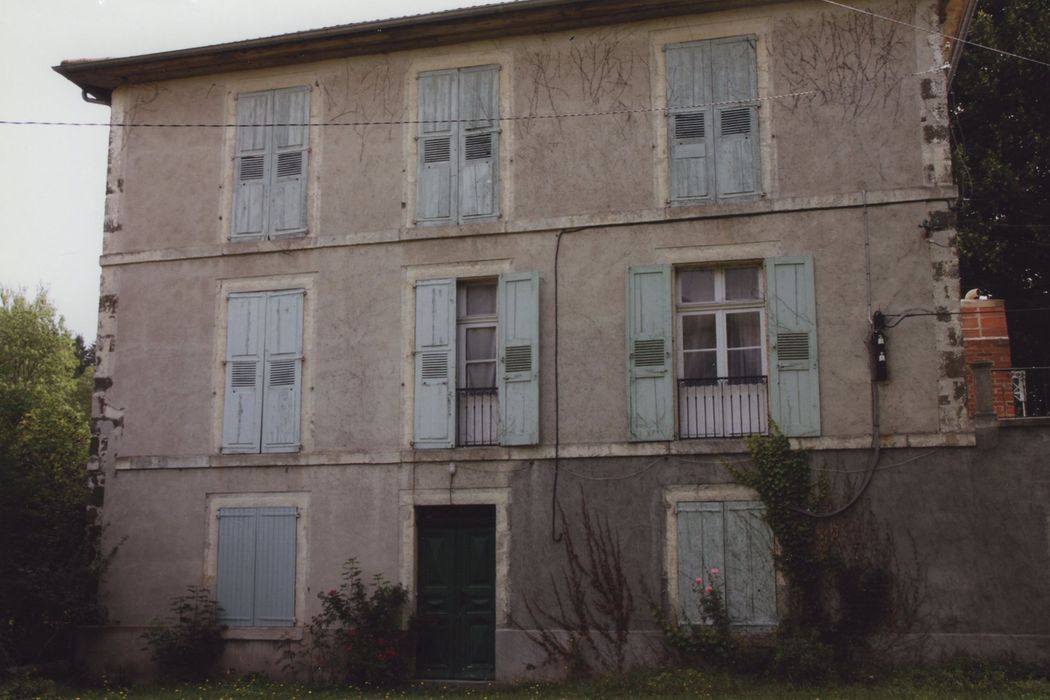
(52, 178)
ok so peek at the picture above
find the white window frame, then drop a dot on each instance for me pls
(465, 322)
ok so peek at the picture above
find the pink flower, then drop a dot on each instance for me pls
(715, 571)
(699, 581)
(332, 592)
(709, 590)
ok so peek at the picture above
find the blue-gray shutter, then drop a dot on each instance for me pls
(519, 358)
(275, 566)
(479, 141)
(283, 377)
(735, 81)
(749, 577)
(701, 543)
(649, 332)
(291, 135)
(794, 392)
(438, 147)
(690, 121)
(434, 414)
(252, 166)
(242, 402)
(235, 573)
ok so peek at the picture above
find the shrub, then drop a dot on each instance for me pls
(708, 642)
(187, 645)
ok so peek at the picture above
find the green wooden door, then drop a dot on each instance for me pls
(457, 592)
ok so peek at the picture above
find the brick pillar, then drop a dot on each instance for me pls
(987, 339)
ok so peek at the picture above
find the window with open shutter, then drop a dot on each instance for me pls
(458, 145)
(269, 197)
(255, 579)
(712, 106)
(264, 355)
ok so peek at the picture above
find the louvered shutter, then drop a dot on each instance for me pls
(794, 393)
(734, 80)
(749, 578)
(519, 360)
(242, 403)
(275, 567)
(437, 146)
(650, 380)
(435, 377)
(690, 119)
(235, 573)
(701, 542)
(252, 165)
(283, 377)
(479, 141)
(291, 114)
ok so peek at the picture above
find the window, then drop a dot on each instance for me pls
(720, 326)
(269, 198)
(255, 578)
(477, 362)
(732, 537)
(458, 145)
(712, 103)
(719, 319)
(264, 356)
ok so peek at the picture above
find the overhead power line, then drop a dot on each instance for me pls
(929, 30)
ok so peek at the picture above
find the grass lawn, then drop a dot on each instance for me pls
(671, 683)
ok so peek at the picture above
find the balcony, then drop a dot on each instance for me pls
(1029, 391)
(723, 407)
(477, 417)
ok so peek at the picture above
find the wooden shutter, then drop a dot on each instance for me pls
(252, 165)
(435, 377)
(749, 578)
(649, 331)
(794, 393)
(690, 121)
(479, 141)
(235, 573)
(438, 147)
(519, 361)
(242, 403)
(291, 115)
(734, 80)
(701, 543)
(275, 567)
(283, 378)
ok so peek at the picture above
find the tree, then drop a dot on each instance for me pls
(1002, 155)
(46, 580)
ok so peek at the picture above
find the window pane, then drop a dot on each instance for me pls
(697, 285)
(701, 365)
(745, 363)
(481, 299)
(744, 330)
(742, 283)
(481, 344)
(698, 331)
(481, 375)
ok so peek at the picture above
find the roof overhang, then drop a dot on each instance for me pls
(98, 78)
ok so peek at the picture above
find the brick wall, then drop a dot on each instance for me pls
(987, 338)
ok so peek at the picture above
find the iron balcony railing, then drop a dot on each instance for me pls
(477, 417)
(1030, 387)
(722, 407)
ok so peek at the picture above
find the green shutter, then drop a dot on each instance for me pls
(519, 361)
(735, 81)
(479, 141)
(435, 376)
(282, 396)
(649, 332)
(690, 122)
(252, 166)
(275, 566)
(701, 539)
(438, 147)
(289, 163)
(749, 578)
(235, 572)
(243, 399)
(794, 393)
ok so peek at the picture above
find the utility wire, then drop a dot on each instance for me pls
(928, 30)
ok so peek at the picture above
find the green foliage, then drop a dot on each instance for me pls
(49, 571)
(708, 642)
(1002, 159)
(358, 637)
(187, 645)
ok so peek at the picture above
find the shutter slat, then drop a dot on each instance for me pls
(235, 571)
(518, 378)
(735, 79)
(478, 111)
(291, 141)
(649, 329)
(251, 189)
(688, 99)
(242, 402)
(434, 417)
(283, 388)
(794, 392)
(435, 187)
(275, 567)
(750, 578)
